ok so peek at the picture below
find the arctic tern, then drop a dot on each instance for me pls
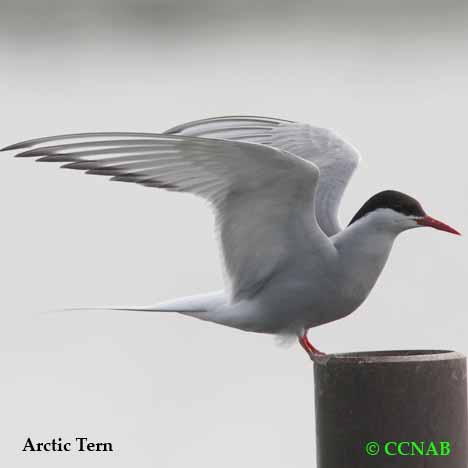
(275, 186)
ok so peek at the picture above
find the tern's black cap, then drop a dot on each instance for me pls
(393, 200)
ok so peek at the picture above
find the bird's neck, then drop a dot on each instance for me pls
(363, 250)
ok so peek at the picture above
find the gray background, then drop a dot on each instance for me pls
(168, 391)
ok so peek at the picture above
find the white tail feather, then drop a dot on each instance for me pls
(185, 305)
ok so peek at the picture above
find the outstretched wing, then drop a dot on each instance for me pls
(335, 158)
(262, 196)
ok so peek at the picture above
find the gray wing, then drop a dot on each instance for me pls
(335, 158)
(261, 195)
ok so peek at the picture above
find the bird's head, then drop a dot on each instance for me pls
(396, 212)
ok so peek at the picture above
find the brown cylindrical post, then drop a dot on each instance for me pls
(392, 409)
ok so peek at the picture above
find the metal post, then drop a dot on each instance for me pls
(392, 409)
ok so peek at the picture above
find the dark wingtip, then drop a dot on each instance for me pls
(55, 158)
(32, 153)
(12, 147)
(80, 165)
(107, 171)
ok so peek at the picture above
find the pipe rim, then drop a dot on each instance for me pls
(399, 355)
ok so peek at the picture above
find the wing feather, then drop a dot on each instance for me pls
(262, 195)
(335, 158)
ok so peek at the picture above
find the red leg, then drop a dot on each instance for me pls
(311, 350)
